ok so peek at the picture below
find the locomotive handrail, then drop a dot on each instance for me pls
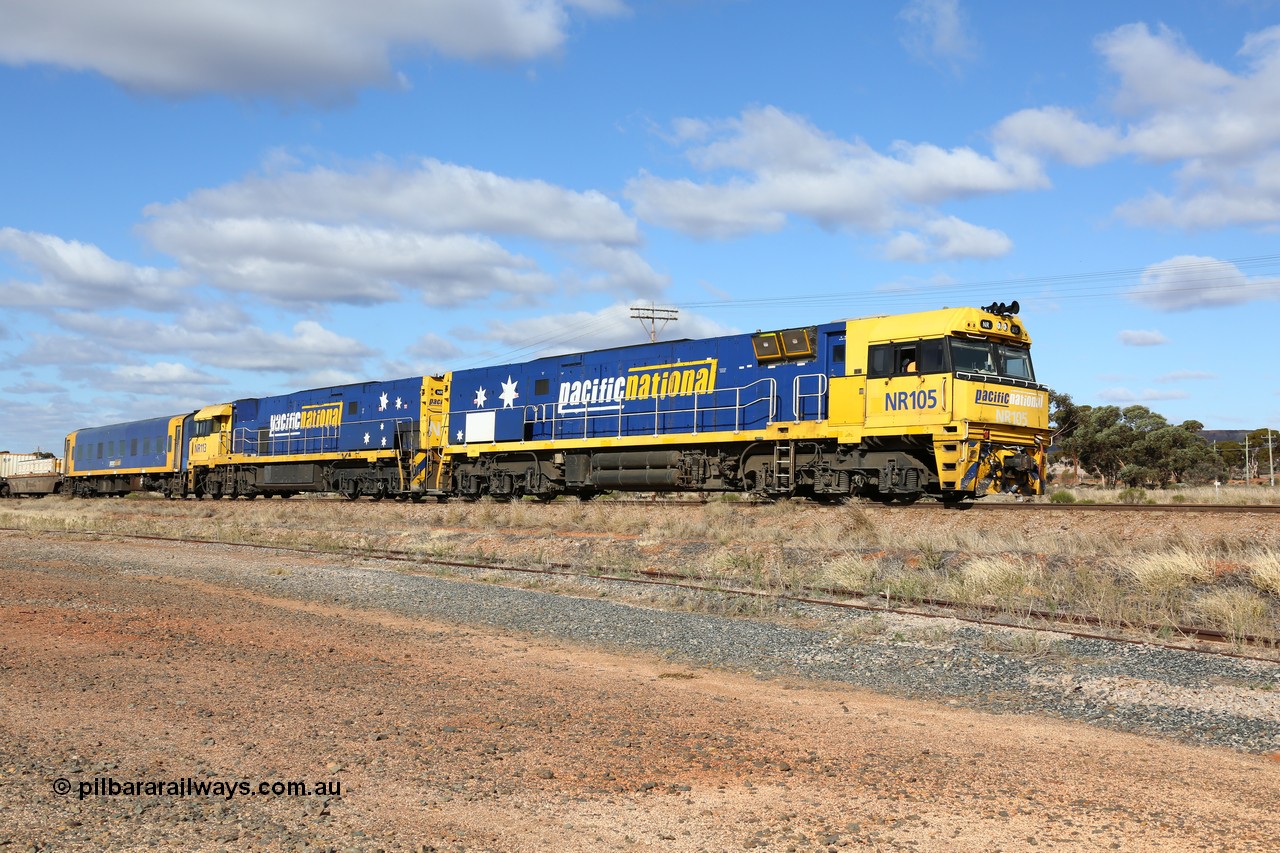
(996, 379)
(314, 440)
(548, 413)
(797, 407)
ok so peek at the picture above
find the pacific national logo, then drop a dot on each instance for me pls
(325, 415)
(671, 380)
(641, 383)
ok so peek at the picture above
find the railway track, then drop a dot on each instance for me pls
(1066, 624)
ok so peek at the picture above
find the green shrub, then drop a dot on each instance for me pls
(1132, 496)
(1062, 497)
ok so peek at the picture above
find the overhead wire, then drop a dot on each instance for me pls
(1065, 286)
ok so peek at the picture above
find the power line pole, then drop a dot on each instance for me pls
(1271, 460)
(653, 315)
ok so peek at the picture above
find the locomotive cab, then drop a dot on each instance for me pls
(953, 393)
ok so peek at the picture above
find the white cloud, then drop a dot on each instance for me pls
(98, 340)
(779, 165)
(588, 330)
(159, 378)
(1191, 281)
(427, 195)
(295, 49)
(435, 347)
(365, 235)
(1058, 133)
(72, 274)
(948, 238)
(1141, 338)
(1219, 128)
(937, 31)
(33, 386)
(1148, 395)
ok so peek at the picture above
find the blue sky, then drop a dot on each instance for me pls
(204, 201)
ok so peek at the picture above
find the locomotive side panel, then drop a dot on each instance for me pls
(355, 439)
(647, 394)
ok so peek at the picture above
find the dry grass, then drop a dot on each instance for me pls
(1168, 572)
(1236, 612)
(1212, 576)
(1264, 570)
(996, 580)
(1233, 495)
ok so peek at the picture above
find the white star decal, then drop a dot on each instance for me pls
(508, 395)
(481, 397)
(384, 441)
(398, 404)
(383, 426)
(366, 438)
(459, 435)
(382, 402)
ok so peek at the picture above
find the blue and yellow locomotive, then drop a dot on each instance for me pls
(940, 403)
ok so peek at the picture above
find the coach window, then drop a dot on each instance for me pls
(99, 449)
(541, 387)
(133, 447)
(353, 407)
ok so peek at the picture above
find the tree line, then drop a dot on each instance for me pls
(1139, 448)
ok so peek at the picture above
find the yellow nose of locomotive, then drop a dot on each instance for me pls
(998, 470)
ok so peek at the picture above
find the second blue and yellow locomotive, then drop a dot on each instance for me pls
(940, 403)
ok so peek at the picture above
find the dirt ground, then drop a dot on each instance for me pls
(449, 737)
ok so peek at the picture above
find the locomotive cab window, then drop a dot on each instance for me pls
(972, 357)
(931, 356)
(880, 360)
(909, 357)
(991, 359)
(1015, 362)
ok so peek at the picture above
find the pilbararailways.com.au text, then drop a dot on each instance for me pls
(227, 789)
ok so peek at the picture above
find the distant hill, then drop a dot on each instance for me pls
(1213, 435)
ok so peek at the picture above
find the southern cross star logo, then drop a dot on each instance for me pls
(382, 402)
(481, 397)
(508, 395)
(459, 435)
(366, 438)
